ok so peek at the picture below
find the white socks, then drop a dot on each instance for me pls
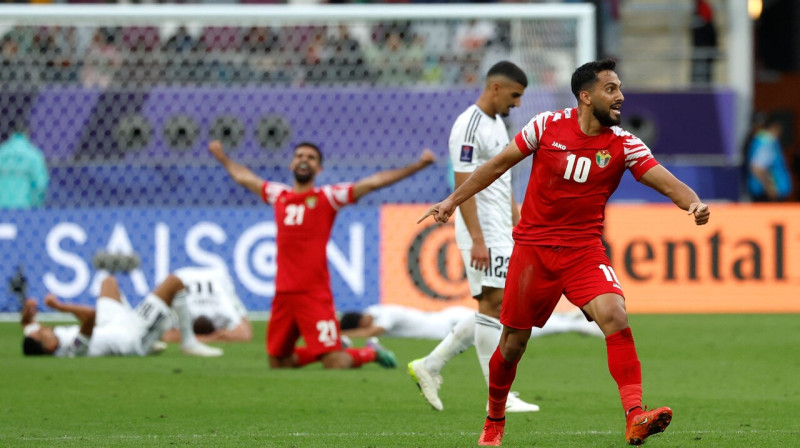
(460, 338)
(184, 318)
(487, 337)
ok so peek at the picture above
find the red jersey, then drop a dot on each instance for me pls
(572, 177)
(304, 222)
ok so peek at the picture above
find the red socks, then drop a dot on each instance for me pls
(623, 363)
(361, 355)
(501, 375)
(304, 356)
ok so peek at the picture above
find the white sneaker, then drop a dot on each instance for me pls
(158, 347)
(200, 349)
(515, 404)
(427, 382)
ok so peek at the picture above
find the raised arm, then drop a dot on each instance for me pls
(385, 178)
(481, 178)
(664, 182)
(28, 312)
(239, 173)
(84, 314)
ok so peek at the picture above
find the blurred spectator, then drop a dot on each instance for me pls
(23, 173)
(316, 54)
(262, 49)
(756, 125)
(14, 67)
(769, 179)
(102, 60)
(471, 40)
(179, 56)
(704, 43)
(396, 62)
(346, 61)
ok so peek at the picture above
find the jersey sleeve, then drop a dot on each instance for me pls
(339, 195)
(638, 158)
(528, 138)
(464, 143)
(271, 190)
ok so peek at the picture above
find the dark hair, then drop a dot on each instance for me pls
(203, 325)
(772, 119)
(32, 347)
(586, 75)
(350, 320)
(509, 70)
(312, 146)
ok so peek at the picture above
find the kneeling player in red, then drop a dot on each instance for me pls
(304, 215)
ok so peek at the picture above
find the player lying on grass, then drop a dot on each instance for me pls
(399, 321)
(304, 216)
(113, 328)
(218, 315)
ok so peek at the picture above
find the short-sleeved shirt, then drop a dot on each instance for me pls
(474, 139)
(572, 177)
(304, 222)
(211, 293)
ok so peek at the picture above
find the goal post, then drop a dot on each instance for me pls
(123, 99)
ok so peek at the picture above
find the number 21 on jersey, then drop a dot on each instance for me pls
(294, 214)
(328, 333)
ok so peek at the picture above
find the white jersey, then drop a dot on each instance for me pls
(474, 139)
(212, 294)
(66, 335)
(406, 322)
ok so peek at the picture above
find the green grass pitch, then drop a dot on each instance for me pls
(731, 380)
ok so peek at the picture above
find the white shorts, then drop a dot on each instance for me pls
(494, 277)
(121, 330)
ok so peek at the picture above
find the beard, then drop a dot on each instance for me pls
(605, 118)
(303, 178)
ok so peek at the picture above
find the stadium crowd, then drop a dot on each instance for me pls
(396, 53)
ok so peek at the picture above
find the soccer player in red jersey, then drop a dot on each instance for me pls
(579, 156)
(304, 214)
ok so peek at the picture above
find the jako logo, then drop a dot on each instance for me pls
(560, 146)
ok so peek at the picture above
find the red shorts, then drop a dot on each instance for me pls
(539, 275)
(308, 314)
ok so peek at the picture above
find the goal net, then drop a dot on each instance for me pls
(122, 100)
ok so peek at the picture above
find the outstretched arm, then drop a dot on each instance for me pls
(364, 332)
(239, 173)
(661, 180)
(85, 314)
(241, 333)
(477, 181)
(385, 178)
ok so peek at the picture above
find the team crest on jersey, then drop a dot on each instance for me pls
(466, 153)
(311, 201)
(603, 157)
